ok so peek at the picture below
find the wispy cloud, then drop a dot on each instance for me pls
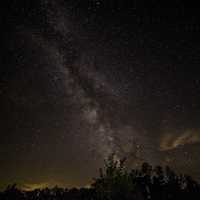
(172, 141)
(33, 186)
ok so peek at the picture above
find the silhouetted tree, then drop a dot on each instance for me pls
(114, 181)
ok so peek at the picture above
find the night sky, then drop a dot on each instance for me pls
(82, 79)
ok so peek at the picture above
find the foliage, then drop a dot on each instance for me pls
(115, 182)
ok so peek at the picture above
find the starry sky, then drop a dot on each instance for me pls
(82, 79)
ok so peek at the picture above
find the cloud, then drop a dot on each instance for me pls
(33, 186)
(170, 141)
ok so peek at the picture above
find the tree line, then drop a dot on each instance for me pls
(115, 182)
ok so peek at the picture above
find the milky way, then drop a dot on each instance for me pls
(83, 80)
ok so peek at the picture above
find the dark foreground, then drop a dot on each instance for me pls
(115, 182)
